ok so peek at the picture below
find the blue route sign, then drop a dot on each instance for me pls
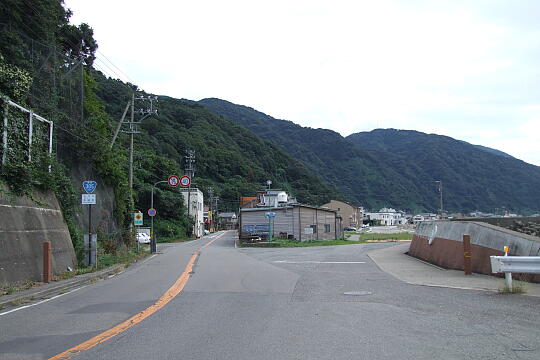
(89, 186)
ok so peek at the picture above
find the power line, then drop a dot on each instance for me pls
(31, 7)
(118, 76)
(71, 133)
(106, 58)
(102, 70)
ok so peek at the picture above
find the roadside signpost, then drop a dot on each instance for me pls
(270, 216)
(185, 181)
(137, 218)
(89, 186)
(88, 199)
(173, 180)
(90, 241)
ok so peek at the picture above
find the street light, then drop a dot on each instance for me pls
(153, 247)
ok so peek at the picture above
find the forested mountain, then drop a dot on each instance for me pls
(362, 178)
(399, 168)
(473, 177)
(490, 150)
(46, 65)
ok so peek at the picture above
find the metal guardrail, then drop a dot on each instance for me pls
(518, 264)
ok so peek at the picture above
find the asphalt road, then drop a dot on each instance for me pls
(276, 304)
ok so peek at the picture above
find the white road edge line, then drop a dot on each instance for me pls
(146, 260)
(42, 301)
(59, 295)
(319, 262)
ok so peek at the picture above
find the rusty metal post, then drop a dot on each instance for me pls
(47, 271)
(467, 260)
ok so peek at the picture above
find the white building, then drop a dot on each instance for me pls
(194, 203)
(388, 217)
(418, 218)
(273, 198)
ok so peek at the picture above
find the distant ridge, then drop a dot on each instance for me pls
(398, 168)
(494, 151)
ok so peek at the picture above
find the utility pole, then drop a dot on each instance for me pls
(440, 195)
(132, 131)
(82, 86)
(133, 126)
(210, 195)
(215, 199)
(190, 171)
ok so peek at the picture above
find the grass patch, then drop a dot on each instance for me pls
(518, 287)
(293, 243)
(364, 237)
(384, 237)
(105, 260)
(121, 257)
(18, 302)
(11, 289)
(161, 240)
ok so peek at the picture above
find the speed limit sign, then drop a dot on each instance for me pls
(173, 180)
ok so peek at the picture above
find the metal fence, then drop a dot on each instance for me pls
(11, 129)
(30, 126)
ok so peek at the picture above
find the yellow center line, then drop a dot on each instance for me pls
(173, 291)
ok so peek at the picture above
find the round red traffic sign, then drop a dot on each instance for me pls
(152, 212)
(185, 181)
(173, 180)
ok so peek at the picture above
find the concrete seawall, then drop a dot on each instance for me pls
(441, 243)
(24, 226)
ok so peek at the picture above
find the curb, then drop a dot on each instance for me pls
(54, 288)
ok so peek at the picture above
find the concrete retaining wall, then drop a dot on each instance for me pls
(24, 226)
(503, 222)
(441, 243)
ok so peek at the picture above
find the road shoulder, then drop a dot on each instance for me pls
(396, 262)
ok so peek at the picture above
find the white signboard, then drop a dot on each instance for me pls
(308, 230)
(88, 199)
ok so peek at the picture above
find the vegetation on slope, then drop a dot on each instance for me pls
(229, 158)
(46, 65)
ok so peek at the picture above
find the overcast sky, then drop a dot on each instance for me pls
(466, 69)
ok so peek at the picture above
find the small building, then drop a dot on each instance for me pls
(351, 215)
(418, 218)
(227, 220)
(388, 217)
(267, 198)
(194, 203)
(293, 221)
(248, 201)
